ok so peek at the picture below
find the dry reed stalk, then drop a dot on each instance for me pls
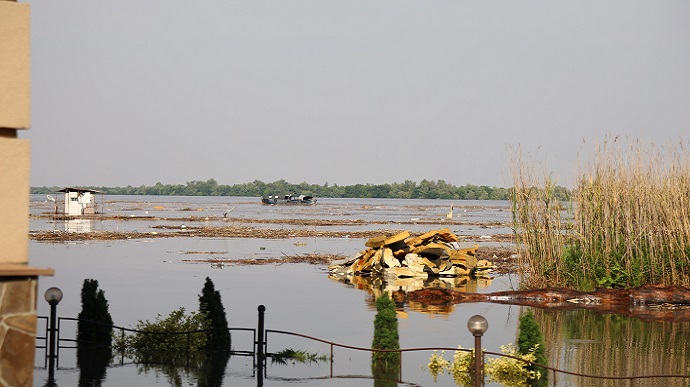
(631, 211)
(537, 224)
(632, 214)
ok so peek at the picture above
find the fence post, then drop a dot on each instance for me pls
(261, 333)
(260, 345)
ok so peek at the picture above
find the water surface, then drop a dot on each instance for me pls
(146, 277)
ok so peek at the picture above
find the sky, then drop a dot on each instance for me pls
(347, 92)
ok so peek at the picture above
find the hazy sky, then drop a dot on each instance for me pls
(346, 92)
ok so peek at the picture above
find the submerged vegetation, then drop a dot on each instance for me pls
(297, 356)
(166, 340)
(510, 371)
(627, 223)
(385, 366)
(531, 340)
(516, 369)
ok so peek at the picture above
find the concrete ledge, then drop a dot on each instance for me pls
(18, 270)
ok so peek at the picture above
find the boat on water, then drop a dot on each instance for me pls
(288, 199)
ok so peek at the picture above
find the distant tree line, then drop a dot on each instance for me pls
(408, 190)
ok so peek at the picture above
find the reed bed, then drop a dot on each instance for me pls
(611, 345)
(538, 225)
(630, 216)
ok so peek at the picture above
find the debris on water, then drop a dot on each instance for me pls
(437, 253)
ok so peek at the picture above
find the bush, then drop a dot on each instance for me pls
(385, 332)
(503, 370)
(95, 325)
(164, 340)
(211, 306)
(94, 335)
(531, 340)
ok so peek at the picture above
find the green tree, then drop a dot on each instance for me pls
(94, 335)
(530, 335)
(211, 307)
(95, 325)
(385, 365)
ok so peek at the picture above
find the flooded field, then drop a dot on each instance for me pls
(147, 276)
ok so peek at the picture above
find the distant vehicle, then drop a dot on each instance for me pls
(288, 199)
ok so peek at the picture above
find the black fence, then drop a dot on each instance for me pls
(259, 351)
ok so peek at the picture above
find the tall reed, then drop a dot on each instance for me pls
(537, 225)
(631, 220)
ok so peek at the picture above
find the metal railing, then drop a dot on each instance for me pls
(260, 352)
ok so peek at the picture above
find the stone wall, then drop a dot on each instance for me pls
(17, 330)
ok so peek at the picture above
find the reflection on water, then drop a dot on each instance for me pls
(92, 365)
(79, 225)
(398, 288)
(143, 278)
(586, 342)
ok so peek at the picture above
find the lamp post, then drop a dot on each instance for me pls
(53, 296)
(478, 325)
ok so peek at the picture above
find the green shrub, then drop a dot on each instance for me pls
(531, 340)
(385, 366)
(503, 370)
(211, 306)
(94, 335)
(164, 341)
(95, 325)
(385, 332)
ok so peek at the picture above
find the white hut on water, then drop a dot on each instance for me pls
(78, 201)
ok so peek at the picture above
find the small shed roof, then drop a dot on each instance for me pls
(71, 189)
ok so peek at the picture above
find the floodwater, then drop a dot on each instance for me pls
(146, 277)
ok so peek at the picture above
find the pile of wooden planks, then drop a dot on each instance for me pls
(437, 253)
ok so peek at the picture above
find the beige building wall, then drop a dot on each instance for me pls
(14, 200)
(15, 90)
(18, 281)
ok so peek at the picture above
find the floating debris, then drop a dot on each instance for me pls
(437, 253)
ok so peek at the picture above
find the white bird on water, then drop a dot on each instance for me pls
(449, 215)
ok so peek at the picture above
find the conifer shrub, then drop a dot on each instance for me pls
(95, 325)
(385, 333)
(94, 335)
(211, 307)
(531, 340)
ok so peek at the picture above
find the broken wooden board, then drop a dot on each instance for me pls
(403, 272)
(444, 235)
(433, 249)
(376, 242)
(389, 259)
(397, 239)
